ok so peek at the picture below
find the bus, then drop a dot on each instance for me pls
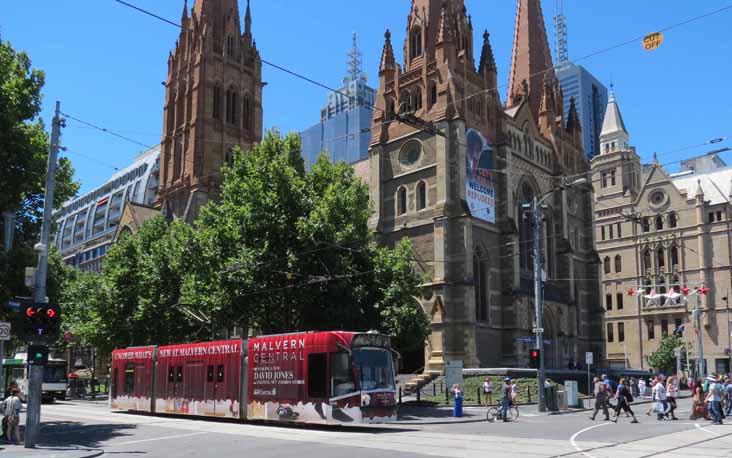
(332, 377)
(55, 378)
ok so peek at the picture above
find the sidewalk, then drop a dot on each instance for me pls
(18, 451)
(438, 415)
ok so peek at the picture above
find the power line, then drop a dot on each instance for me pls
(103, 129)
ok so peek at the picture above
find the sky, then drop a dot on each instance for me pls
(106, 62)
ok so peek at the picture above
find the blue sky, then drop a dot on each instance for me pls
(105, 63)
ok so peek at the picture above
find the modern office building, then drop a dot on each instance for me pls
(591, 98)
(344, 130)
(87, 225)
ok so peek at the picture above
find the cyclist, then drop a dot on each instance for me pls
(506, 392)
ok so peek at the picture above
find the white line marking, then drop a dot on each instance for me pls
(701, 428)
(157, 439)
(572, 440)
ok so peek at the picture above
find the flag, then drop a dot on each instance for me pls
(680, 330)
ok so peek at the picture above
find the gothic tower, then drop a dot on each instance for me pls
(213, 103)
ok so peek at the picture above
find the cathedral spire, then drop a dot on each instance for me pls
(445, 31)
(573, 121)
(531, 59)
(248, 21)
(614, 135)
(387, 55)
(487, 60)
(184, 16)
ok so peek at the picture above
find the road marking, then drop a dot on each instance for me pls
(572, 440)
(177, 436)
(701, 428)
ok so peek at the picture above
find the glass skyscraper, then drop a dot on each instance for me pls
(591, 98)
(344, 130)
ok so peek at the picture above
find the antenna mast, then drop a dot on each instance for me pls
(560, 30)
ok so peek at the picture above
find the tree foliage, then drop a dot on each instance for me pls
(283, 250)
(23, 163)
(664, 359)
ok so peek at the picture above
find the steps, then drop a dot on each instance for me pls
(417, 382)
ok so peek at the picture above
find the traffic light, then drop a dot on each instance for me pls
(37, 355)
(534, 358)
(40, 321)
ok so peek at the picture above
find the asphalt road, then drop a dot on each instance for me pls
(90, 425)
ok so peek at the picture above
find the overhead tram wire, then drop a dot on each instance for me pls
(102, 129)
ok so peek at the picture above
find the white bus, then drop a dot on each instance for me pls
(54, 377)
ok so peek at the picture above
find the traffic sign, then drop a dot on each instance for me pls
(4, 331)
(539, 330)
(589, 358)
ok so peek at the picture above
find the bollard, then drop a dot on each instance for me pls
(434, 390)
(528, 392)
(419, 389)
(400, 395)
(447, 396)
(477, 389)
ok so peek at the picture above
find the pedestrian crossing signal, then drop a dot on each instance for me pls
(534, 355)
(40, 322)
(37, 355)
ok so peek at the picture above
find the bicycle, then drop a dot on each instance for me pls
(494, 413)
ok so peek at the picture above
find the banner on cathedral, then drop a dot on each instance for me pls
(480, 192)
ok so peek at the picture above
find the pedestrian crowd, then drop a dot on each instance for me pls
(712, 397)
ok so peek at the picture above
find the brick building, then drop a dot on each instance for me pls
(213, 102)
(458, 194)
(656, 233)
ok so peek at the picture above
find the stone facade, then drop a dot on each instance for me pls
(213, 102)
(480, 292)
(657, 233)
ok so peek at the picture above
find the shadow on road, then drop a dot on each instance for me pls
(58, 433)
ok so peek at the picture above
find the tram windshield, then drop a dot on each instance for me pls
(54, 374)
(374, 368)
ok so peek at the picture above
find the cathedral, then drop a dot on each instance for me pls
(456, 184)
(213, 102)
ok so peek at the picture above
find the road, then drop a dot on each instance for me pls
(90, 425)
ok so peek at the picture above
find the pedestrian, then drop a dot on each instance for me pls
(728, 392)
(514, 392)
(661, 397)
(672, 393)
(641, 387)
(633, 383)
(505, 398)
(624, 399)
(714, 398)
(488, 391)
(697, 410)
(457, 410)
(11, 411)
(653, 397)
(601, 400)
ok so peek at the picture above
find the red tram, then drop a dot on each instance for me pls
(316, 377)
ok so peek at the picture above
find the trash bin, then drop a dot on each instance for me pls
(562, 401)
(550, 398)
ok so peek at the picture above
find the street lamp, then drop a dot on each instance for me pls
(536, 207)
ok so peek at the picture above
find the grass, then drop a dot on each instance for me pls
(473, 384)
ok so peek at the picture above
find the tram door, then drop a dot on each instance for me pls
(193, 387)
(175, 387)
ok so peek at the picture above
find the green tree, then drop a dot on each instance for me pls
(664, 359)
(23, 162)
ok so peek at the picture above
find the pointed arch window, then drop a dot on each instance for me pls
(606, 264)
(390, 111)
(421, 195)
(481, 282)
(660, 258)
(415, 42)
(659, 223)
(247, 114)
(230, 46)
(524, 224)
(216, 102)
(401, 200)
(646, 225)
(405, 102)
(417, 99)
(229, 156)
(673, 220)
(647, 260)
(674, 257)
(661, 285)
(433, 93)
(618, 264)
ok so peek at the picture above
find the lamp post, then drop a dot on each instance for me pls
(729, 334)
(536, 209)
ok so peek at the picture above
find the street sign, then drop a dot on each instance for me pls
(539, 330)
(589, 358)
(4, 331)
(453, 372)
(652, 41)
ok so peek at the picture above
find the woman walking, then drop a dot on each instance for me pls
(672, 392)
(698, 410)
(488, 391)
(624, 399)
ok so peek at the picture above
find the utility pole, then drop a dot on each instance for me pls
(729, 333)
(33, 416)
(699, 346)
(538, 290)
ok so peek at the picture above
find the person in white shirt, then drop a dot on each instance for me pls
(11, 409)
(641, 387)
(488, 391)
(672, 392)
(659, 394)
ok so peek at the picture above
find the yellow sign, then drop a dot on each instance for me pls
(652, 41)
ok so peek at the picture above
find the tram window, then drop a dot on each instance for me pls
(171, 374)
(341, 374)
(179, 374)
(129, 378)
(317, 375)
(220, 373)
(210, 374)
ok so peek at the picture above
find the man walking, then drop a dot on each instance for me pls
(624, 399)
(11, 410)
(601, 400)
(659, 394)
(714, 398)
(728, 392)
